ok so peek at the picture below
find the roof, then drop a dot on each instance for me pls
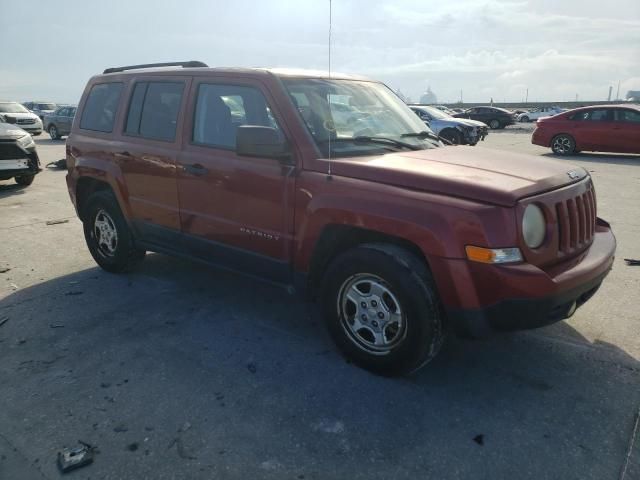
(259, 71)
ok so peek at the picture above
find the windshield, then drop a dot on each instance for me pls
(45, 106)
(348, 117)
(12, 107)
(436, 113)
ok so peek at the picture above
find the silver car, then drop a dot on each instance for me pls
(13, 112)
(457, 131)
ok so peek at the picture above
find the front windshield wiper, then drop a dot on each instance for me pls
(425, 134)
(385, 141)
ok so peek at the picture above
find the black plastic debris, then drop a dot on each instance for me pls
(479, 439)
(3, 320)
(76, 457)
(57, 222)
(632, 262)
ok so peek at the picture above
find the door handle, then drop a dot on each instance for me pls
(195, 169)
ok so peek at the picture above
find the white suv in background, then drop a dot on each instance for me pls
(537, 113)
(13, 112)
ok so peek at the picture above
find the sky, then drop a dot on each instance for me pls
(482, 50)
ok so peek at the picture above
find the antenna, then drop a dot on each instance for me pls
(328, 100)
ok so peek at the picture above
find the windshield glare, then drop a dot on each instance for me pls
(12, 107)
(337, 111)
(46, 106)
(435, 113)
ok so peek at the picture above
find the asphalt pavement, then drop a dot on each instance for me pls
(179, 371)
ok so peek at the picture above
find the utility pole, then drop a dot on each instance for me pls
(526, 97)
(610, 90)
(618, 92)
(461, 96)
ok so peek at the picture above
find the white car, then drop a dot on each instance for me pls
(13, 112)
(537, 113)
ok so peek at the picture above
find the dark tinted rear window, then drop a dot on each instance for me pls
(101, 107)
(153, 111)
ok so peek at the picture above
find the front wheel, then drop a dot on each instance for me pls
(494, 124)
(525, 119)
(25, 180)
(53, 132)
(108, 236)
(563, 144)
(452, 136)
(381, 307)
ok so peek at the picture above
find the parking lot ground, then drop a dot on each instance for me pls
(178, 370)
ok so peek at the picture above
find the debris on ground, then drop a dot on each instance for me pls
(3, 320)
(62, 163)
(132, 447)
(479, 439)
(76, 457)
(73, 292)
(632, 262)
(4, 269)
(120, 429)
(13, 286)
(182, 452)
(252, 367)
(56, 222)
(56, 325)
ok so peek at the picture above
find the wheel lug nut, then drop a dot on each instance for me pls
(363, 305)
(374, 303)
(380, 315)
(375, 324)
(363, 317)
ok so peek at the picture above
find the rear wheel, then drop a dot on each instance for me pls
(494, 124)
(108, 236)
(525, 119)
(452, 136)
(25, 180)
(381, 307)
(563, 144)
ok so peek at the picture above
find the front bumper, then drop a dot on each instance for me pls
(14, 161)
(519, 297)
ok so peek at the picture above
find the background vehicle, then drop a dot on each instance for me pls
(605, 128)
(458, 131)
(23, 118)
(494, 117)
(59, 122)
(395, 236)
(18, 156)
(40, 108)
(536, 113)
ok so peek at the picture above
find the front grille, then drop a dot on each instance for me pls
(25, 121)
(10, 151)
(576, 222)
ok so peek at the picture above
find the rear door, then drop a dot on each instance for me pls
(235, 210)
(626, 130)
(147, 154)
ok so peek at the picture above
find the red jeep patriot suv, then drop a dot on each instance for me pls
(332, 185)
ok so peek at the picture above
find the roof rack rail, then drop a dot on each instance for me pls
(189, 64)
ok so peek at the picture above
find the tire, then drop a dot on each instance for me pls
(108, 236)
(494, 124)
(53, 132)
(563, 144)
(451, 135)
(405, 299)
(525, 119)
(25, 180)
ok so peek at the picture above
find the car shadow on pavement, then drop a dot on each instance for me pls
(181, 370)
(611, 158)
(7, 189)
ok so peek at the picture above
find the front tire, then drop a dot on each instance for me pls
(53, 132)
(381, 308)
(563, 144)
(452, 136)
(25, 180)
(494, 124)
(525, 119)
(108, 236)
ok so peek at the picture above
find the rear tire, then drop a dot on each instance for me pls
(494, 124)
(563, 144)
(525, 119)
(25, 180)
(108, 236)
(381, 308)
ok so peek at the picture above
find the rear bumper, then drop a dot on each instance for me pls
(540, 137)
(518, 297)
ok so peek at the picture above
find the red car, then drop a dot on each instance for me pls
(603, 128)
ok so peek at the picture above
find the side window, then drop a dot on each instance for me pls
(63, 112)
(101, 106)
(221, 109)
(153, 110)
(631, 116)
(577, 117)
(600, 115)
(72, 111)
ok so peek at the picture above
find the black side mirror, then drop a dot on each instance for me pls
(258, 141)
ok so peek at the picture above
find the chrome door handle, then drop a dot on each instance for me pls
(195, 169)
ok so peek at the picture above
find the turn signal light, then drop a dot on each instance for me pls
(493, 255)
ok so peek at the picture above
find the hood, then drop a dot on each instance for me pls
(21, 115)
(11, 131)
(470, 123)
(481, 174)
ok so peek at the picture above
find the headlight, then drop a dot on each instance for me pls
(534, 226)
(26, 142)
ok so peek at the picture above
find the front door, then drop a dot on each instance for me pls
(235, 211)
(626, 130)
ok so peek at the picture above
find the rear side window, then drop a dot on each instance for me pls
(631, 116)
(101, 107)
(221, 109)
(153, 110)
